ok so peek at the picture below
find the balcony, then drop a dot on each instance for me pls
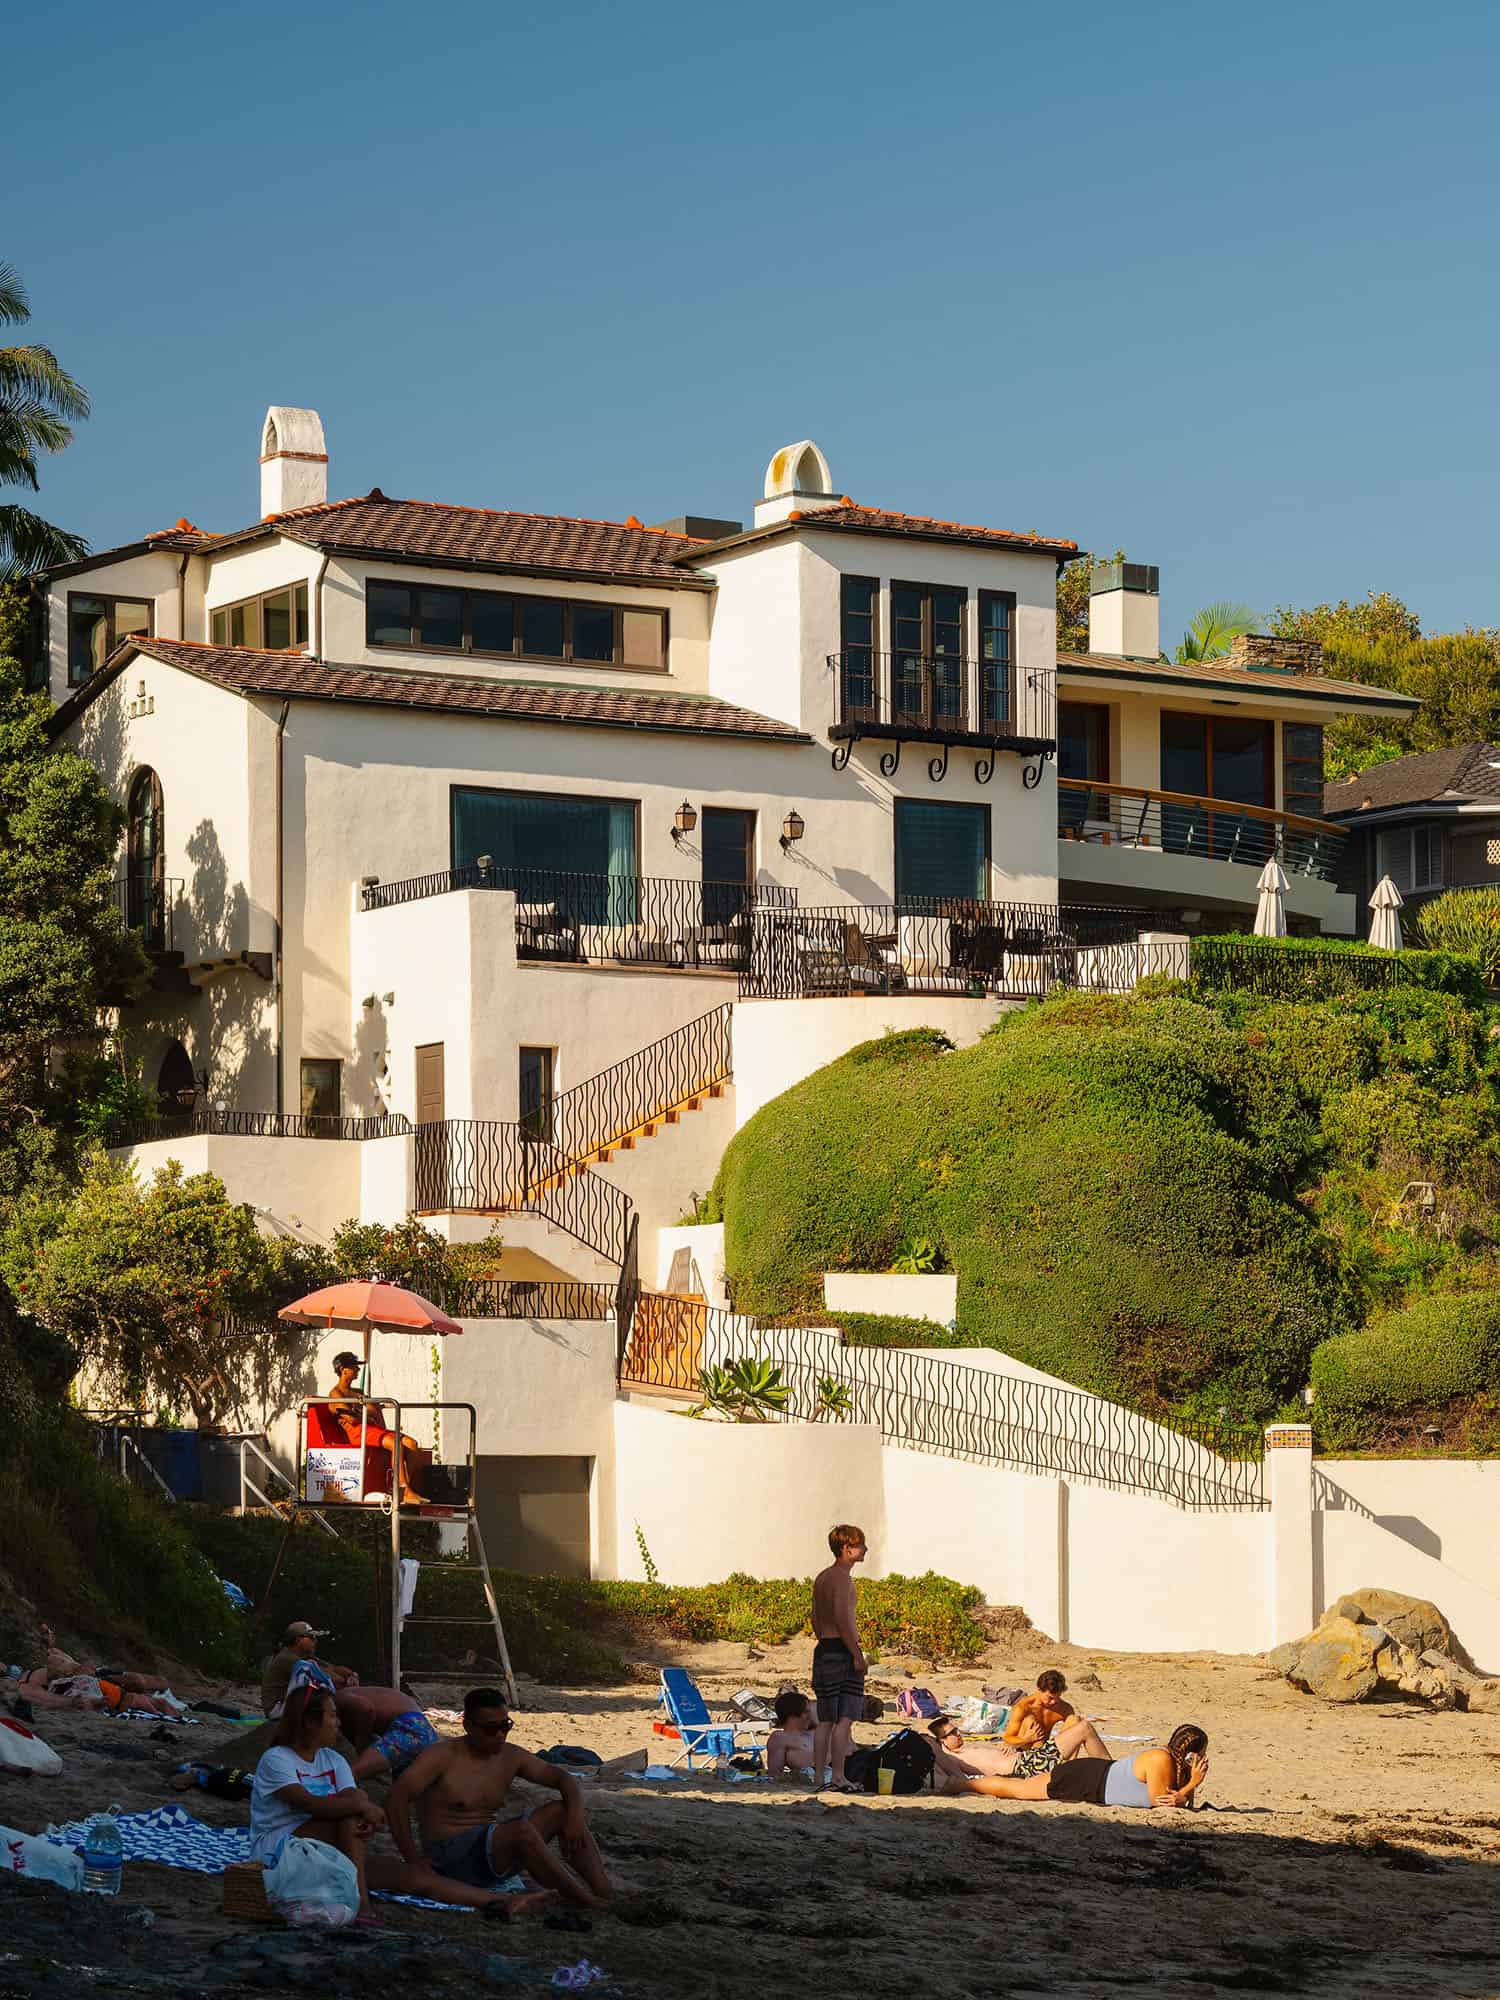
(145, 903)
(650, 921)
(1176, 824)
(946, 700)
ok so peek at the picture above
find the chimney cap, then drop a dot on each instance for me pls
(292, 433)
(1142, 577)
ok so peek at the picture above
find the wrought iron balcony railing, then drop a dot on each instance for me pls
(1212, 829)
(146, 902)
(946, 700)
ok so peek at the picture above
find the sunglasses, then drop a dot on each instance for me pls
(492, 1728)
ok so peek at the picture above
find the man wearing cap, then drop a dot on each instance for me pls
(298, 1662)
(362, 1420)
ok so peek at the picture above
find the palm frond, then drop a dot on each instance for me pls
(1213, 630)
(29, 543)
(15, 307)
(36, 371)
(26, 430)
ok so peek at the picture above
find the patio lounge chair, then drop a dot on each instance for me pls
(688, 1714)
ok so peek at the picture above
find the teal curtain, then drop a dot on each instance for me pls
(941, 850)
(541, 837)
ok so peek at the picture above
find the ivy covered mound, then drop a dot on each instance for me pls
(1170, 1200)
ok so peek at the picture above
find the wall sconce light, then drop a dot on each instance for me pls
(389, 999)
(792, 828)
(685, 821)
(485, 863)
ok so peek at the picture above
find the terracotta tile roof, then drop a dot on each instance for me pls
(375, 525)
(250, 672)
(849, 517)
(1457, 773)
(1215, 673)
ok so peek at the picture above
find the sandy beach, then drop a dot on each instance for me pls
(1349, 1851)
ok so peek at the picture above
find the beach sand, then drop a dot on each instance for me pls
(1352, 1851)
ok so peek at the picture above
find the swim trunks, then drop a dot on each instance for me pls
(1081, 1782)
(839, 1689)
(1037, 1758)
(402, 1742)
(465, 1857)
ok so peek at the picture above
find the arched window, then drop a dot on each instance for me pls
(176, 1086)
(145, 856)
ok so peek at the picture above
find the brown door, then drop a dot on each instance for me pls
(534, 1514)
(430, 1084)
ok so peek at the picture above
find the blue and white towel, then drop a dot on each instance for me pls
(177, 1840)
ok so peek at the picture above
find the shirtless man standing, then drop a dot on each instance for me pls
(473, 1833)
(839, 1664)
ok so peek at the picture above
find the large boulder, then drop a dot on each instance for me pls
(1337, 1662)
(1379, 1644)
(1411, 1621)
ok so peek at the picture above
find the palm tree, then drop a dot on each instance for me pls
(39, 403)
(1213, 630)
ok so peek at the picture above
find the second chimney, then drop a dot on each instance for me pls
(1125, 611)
(293, 461)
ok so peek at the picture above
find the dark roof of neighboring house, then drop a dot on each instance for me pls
(1221, 673)
(849, 518)
(244, 671)
(1460, 771)
(430, 531)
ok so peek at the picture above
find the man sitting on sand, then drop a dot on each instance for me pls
(297, 1665)
(1033, 1730)
(789, 1747)
(63, 1682)
(362, 1420)
(473, 1832)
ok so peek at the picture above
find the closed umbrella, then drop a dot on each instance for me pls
(1270, 911)
(1385, 925)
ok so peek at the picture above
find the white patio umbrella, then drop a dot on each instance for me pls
(1270, 911)
(1385, 925)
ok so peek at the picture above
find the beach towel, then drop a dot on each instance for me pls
(177, 1840)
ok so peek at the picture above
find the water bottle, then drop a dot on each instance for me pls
(103, 1855)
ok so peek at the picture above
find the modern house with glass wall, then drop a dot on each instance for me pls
(465, 823)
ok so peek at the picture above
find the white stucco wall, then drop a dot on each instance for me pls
(150, 578)
(704, 1242)
(312, 1182)
(1352, 1551)
(1449, 1508)
(779, 1042)
(912, 1295)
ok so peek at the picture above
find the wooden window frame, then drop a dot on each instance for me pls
(849, 710)
(929, 657)
(110, 601)
(467, 593)
(987, 600)
(259, 601)
(1209, 721)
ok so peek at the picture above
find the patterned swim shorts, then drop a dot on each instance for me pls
(1037, 1758)
(403, 1741)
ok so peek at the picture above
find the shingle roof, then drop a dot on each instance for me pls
(1458, 771)
(849, 517)
(252, 672)
(376, 525)
(1214, 673)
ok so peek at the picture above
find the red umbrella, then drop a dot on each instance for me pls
(367, 1308)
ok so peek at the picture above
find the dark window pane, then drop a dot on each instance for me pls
(941, 850)
(300, 638)
(536, 1092)
(947, 621)
(440, 618)
(388, 610)
(88, 636)
(492, 622)
(320, 1088)
(994, 628)
(219, 628)
(906, 619)
(1083, 740)
(593, 632)
(276, 621)
(244, 625)
(1242, 761)
(129, 618)
(1184, 754)
(541, 627)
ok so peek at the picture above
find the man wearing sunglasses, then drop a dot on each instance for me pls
(473, 1831)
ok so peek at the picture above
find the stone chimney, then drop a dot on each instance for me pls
(293, 461)
(1125, 611)
(1259, 653)
(797, 481)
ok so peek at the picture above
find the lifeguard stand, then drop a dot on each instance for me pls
(365, 1474)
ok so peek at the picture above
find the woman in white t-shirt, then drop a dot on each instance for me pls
(303, 1787)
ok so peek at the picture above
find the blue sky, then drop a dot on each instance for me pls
(1216, 285)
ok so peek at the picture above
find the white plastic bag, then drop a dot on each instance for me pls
(29, 1854)
(21, 1751)
(313, 1883)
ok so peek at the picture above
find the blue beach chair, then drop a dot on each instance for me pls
(688, 1714)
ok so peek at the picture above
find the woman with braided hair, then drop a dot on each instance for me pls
(1167, 1777)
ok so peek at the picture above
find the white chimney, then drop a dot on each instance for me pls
(1125, 611)
(797, 480)
(293, 461)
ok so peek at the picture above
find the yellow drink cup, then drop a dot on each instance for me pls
(887, 1780)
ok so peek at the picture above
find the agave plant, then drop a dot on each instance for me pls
(742, 1392)
(917, 1254)
(1213, 630)
(833, 1399)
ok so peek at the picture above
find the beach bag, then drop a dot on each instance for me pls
(29, 1854)
(919, 1702)
(906, 1754)
(21, 1751)
(312, 1883)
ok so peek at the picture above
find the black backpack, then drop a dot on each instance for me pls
(906, 1753)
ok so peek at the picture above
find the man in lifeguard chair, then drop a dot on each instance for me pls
(348, 1405)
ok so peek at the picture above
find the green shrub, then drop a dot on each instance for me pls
(1466, 921)
(1419, 1358)
(1322, 968)
(896, 1330)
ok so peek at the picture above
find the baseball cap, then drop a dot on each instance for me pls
(300, 1629)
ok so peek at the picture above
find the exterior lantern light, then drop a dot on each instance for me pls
(686, 819)
(187, 1096)
(792, 828)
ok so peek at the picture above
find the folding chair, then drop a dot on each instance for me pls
(688, 1714)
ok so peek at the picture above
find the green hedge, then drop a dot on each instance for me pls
(1321, 968)
(896, 1330)
(1419, 1358)
(1463, 920)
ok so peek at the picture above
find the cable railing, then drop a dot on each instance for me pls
(948, 945)
(227, 1124)
(580, 919)
(924, 1403)
(478, 1166)
(1210, 829)
(634, 1095)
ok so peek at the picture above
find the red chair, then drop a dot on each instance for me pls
(333, 1462)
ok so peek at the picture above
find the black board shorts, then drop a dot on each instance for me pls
(1081, 1782)
(839, 1689)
